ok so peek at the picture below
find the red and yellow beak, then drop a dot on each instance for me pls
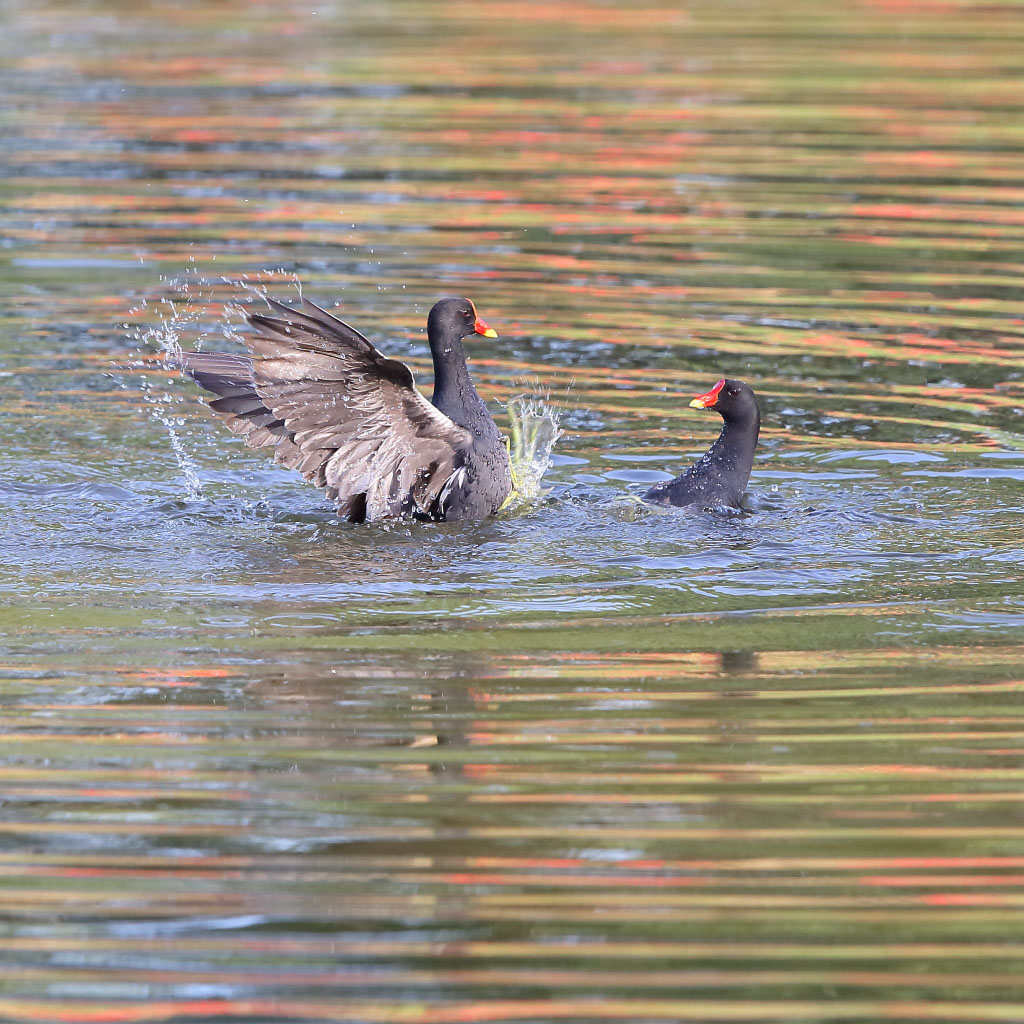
(708, 399)
(481, 328)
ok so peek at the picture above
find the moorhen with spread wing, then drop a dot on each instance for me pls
(721, 475)
(352, 421)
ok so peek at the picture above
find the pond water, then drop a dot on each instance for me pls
(591, 760)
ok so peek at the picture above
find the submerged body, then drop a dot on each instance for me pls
(352, 421)
(720, 476)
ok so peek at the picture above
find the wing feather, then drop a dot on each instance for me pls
(336, 409)
(229, 377)
(360, 428)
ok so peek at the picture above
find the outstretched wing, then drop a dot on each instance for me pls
(229, 377)
(348, 418)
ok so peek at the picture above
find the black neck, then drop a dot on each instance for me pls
(454, 393)
(451, 375)
(733, 451)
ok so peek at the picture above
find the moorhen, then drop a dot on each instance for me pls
(721, 475)
(352, 421)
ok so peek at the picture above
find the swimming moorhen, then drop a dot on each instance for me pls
(352, 421)
(721, 475)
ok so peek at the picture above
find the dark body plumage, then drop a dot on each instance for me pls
(721, 475)
(352, 421)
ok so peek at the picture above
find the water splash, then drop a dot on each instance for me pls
(533, 431)
(162, 338)
(195, 307)
(161, 402)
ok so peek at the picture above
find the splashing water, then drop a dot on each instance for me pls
(166, 339)
(193, 305)
(163, 337)
(533, 431)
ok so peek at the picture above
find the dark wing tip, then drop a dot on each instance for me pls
(311, 318)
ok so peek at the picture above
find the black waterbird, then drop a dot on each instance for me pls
(352, 421)
(720, 476)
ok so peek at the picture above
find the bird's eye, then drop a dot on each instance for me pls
(467, 312)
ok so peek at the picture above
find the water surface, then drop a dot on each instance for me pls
(592, 760)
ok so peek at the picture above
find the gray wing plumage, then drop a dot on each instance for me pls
(229, 377)
(343, 414)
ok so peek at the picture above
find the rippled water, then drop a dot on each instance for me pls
(590, 760)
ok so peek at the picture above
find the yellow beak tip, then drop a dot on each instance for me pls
(490, 333)
(696, 404)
